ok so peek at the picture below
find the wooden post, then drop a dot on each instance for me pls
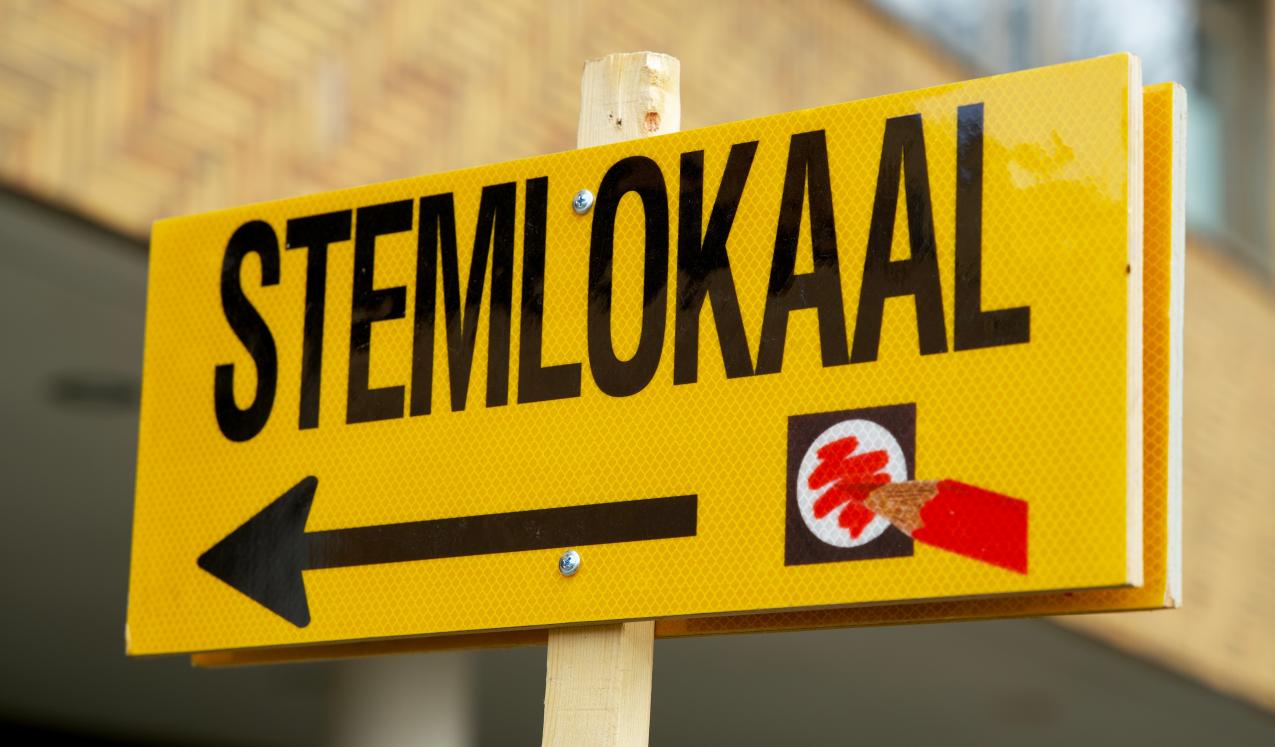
(629, 96)
(598, 687)
(598, 684)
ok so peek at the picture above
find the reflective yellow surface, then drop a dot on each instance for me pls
(1163, 283)
(1164, 242)
(1046, 421)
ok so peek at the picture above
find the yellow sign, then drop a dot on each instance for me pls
(887, 351)
(1164, 121)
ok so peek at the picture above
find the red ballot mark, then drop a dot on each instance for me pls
(853, 477)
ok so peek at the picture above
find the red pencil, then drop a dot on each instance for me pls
(960, 518)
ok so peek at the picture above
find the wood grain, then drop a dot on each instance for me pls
(629, 96)
(598, 686)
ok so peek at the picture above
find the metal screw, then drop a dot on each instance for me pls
(569, 563)
(581, 204)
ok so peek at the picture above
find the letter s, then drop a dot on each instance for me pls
(242, 424)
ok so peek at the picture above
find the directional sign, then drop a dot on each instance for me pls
(1164, 130)
(876, 353)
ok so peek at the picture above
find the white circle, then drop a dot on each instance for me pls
(871, 437)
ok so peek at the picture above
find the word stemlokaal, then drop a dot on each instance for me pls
(703, 273)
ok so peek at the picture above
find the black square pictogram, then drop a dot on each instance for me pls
(802, 545)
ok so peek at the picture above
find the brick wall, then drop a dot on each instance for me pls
(129, 111)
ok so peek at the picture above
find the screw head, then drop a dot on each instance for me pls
(582, 202)
(569, 563)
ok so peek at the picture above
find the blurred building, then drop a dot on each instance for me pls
(115, 113)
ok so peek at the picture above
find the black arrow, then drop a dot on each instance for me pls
(265, 556)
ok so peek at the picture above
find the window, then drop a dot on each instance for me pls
(1217, 48)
